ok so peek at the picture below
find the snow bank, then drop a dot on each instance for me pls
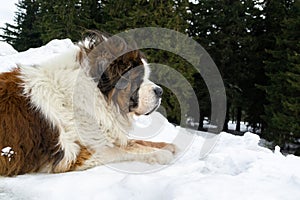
(236, 168)
(33, 55)
(6, 49)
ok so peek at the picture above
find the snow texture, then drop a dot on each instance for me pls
(6, 49)
(7, 152)
(31, 56)
(236, 168)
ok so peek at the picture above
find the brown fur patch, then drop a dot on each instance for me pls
(83, 155)
(24, 129)
(126, 97)
(159, 145)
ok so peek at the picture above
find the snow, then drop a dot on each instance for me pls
(236, 168)
(232, 126)
(6, 49)
(8, 152)
(244, 126)
(32, 56)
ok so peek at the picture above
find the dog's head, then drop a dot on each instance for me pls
(121, 73)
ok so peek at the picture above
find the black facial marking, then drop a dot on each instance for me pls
(134, 100)
(136, 81)
(104, 84)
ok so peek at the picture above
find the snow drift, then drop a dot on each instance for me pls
(236, 168)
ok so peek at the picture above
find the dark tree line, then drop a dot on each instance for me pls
(255, 45)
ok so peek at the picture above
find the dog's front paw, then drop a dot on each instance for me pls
(172, 148)
(161, 156)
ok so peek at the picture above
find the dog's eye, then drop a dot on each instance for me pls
(122, 83)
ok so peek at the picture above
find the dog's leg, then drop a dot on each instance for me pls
(136, 150)
(160, 145)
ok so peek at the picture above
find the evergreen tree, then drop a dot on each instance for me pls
(283, 70)
(39, 21)
(91, 12)
(253, 73)
(226, 30)
(61, 19)
(123, 15)
(25, 33)
(116, 15)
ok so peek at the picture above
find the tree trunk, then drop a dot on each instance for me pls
(238, 119)
(200, 127)
(225, 127)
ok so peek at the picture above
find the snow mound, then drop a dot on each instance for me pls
(236, 168)
(35, 55)
(6, 49)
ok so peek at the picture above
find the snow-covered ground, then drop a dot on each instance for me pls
(6, 49)
(10, 58)
(236, 168)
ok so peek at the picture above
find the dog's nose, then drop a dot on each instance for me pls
(158, 91)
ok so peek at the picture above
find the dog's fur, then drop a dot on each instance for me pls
(74, 111)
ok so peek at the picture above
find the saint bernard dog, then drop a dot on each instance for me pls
(74, 111)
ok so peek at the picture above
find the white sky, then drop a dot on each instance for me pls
(7, 11)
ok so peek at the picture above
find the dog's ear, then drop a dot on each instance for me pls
(99, 60)
(91, 39)
(101, 50)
